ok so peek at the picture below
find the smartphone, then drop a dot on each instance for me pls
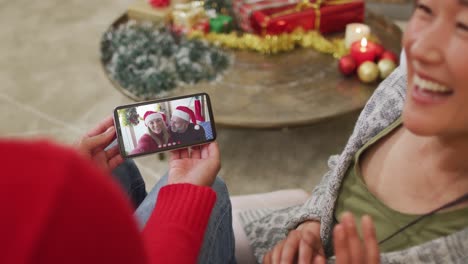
(165, 124)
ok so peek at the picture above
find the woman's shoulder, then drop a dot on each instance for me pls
(382, 109)
(145, 139)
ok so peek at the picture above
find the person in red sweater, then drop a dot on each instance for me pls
(62, 207)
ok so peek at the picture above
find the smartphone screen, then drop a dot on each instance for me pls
(165, 124)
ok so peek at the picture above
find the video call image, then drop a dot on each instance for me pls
(165, 125)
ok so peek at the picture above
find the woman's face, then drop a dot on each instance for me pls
(156, 125)
(436, 45)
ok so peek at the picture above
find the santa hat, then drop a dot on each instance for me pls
(151, 115)
(185, 113)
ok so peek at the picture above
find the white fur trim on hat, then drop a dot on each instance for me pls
(152, 117)
(181, 114)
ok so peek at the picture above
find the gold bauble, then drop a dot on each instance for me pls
(368, 72)
(386, 67)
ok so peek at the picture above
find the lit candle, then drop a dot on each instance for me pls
(361, 52)
(355, 32)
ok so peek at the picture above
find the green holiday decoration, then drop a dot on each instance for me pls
(129, 116)
(147, 59)
(221, 24)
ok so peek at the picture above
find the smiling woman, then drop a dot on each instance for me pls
(435, 43)
(405, 159)
(157, 136)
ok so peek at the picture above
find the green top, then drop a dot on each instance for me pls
(357, 199)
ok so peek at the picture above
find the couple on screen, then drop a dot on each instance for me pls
(182, 129)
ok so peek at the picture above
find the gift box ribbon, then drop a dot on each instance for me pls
(303, 5)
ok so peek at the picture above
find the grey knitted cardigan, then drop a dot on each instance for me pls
(264, 228)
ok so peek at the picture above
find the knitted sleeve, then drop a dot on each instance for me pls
(174, 232)
(270, 227)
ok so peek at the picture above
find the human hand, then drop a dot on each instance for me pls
(198, 166)
(93, 143)
(302, 245)
(349, 249)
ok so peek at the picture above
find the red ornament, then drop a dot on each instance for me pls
(378, 49)
(159, 3)
(347, 65)
(390, 56)
(361, 52)
(203, 25)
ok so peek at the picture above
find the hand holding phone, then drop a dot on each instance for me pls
(198, 165)
(165, 124)
(93, 145)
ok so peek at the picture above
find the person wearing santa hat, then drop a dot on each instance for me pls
(158, 135)
(184, 127)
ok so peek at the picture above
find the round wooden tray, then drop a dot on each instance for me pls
(284, 90)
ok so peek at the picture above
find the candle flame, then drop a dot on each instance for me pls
(358, 30)
(364, 42)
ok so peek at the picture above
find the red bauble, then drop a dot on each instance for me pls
(390, 56)
(347, 65)
(160, 3)
(378, 49)
(203, 26)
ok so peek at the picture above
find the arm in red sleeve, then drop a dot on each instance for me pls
(174, 233)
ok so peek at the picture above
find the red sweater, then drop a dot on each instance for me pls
(59, 208)
(147, 144)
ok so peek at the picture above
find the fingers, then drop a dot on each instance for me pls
(276, 254)
(174, 155)
(298, 247)
(211, 153)
(195, 152)
(370, 240)
(349, 249)
(102, 126)
(100, 140)
(184, 153)
(305, 252)
(291, 247)
(354, 242)
(267, 257)
(115, 161)
(340, 244)
(110, 153)
(319, 260)
(179, 154)
(210, 150)
(114, 158)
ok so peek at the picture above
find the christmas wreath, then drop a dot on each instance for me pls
(149, 59)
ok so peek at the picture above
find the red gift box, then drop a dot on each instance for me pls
(243, 9)
(326, 16)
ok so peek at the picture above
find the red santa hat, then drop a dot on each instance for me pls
(186, 114)
(151, 115)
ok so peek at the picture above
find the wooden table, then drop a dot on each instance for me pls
(290, 89)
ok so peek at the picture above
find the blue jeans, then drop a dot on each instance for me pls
(129, 178)
(218, 243)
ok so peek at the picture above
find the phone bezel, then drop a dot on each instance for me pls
(119, 131)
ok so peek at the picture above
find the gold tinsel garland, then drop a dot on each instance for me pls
(272, 44)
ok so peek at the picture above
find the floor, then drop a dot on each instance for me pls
(53, 86)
